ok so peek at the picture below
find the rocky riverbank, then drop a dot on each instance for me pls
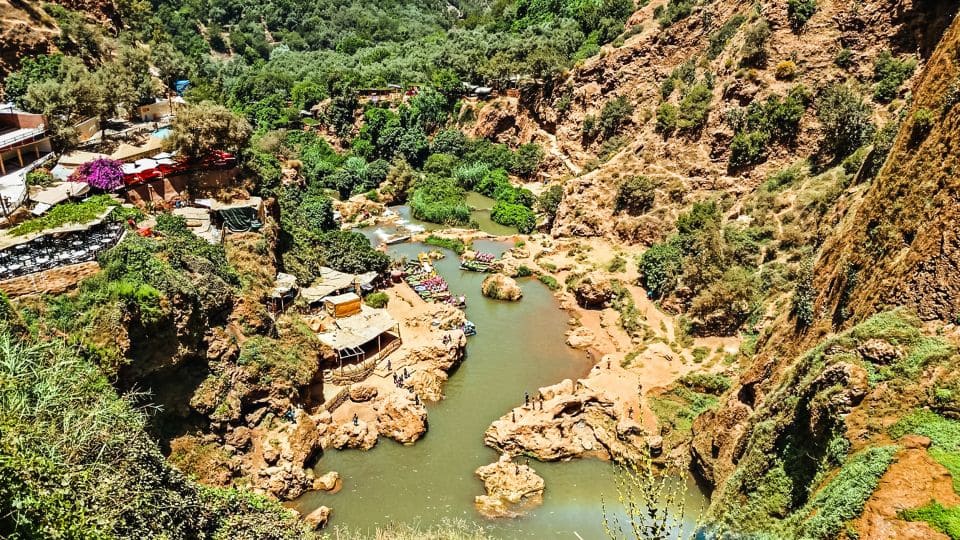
(390, 402)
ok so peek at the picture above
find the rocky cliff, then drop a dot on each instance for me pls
(827, 398)
(709, 66)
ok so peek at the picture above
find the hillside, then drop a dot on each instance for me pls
(892, 249)
(708, 50)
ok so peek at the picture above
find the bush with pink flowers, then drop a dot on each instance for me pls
(101, 173)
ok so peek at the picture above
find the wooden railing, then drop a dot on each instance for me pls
(337, 400)
(358, 372)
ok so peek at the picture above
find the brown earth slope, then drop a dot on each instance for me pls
(694, 165)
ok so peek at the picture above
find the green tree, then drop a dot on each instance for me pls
(200, 128)
(845, 117)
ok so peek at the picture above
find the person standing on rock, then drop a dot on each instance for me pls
(356, 419)
(526, 399)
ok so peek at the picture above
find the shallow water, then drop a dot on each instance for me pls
(519, 347)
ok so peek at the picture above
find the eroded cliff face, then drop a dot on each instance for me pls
(858, 368)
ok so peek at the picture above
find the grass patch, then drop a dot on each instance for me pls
(843, 498)
(549, 281)
(944, 435)
(941, 518)
(65, 214)
(676, 410)
(453, 244)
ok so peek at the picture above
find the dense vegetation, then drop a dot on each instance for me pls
(72, 448)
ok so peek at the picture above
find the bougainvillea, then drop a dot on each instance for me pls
(101, 173)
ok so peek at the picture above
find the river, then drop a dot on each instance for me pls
(519, 348)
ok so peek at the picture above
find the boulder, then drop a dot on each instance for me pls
(347, 435)
(580, 338)
(400, 418)
(655, 445)
(511, 488)
(327, 482)
(360, 393)
(318, 518)
(304, 441)
(594, 291)
(879, 351)
(501, 287)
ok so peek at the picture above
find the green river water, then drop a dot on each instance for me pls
(519, 347)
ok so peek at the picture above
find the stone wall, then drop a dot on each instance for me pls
(53, 281)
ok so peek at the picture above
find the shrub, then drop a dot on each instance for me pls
(40, 177)
(800, 11)
(617, 264)
(706, 383)
(635, 195)
(549, 281)
(785, 71)
(844, 58)
(922, 124)
(846, 120)
(785, 177)
(719, 39)
(727, 303)
(102, 173)
(549, 201)
(754, 50)
(514, 215)
(527, 159)
(454, 244)
(589, 128)
(748, 148)
(377, 300)
(780, 117)
(659, 268)
(889, 73)
(694, 107)
(667, 117)
(614, 114)
(674, 11)
(804, 295)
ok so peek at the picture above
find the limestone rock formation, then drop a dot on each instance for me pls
(327, 482)
(501, 287)
(400, 418)
(580, 338)
(594, 291)
(572, 422)
(511, 489)
(362, 436)
(318, 518)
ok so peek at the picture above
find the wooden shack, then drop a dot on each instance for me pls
(342, 305)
